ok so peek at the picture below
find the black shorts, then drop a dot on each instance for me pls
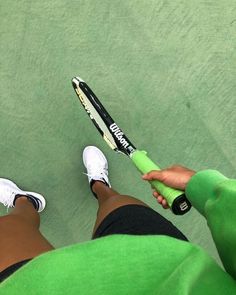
(130, 220)
(137, 220)
(11, 269)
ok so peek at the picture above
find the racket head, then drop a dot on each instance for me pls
(104, 123)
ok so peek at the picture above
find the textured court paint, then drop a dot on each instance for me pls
(164, 69)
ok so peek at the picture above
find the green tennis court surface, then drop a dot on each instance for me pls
(165, 70)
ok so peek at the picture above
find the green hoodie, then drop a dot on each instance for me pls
(123, 264)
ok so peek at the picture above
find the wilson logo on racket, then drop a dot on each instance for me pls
(119, 135)
(184, 206)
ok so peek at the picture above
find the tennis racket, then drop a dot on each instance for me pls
(119, 142)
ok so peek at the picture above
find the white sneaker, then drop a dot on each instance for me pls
(9, 192)
(96, 165)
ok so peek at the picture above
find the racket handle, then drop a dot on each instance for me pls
(176, 199)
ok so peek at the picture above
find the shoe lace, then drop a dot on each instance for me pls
(8, 201)
(98, 170)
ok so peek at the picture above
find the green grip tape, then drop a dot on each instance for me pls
(145, 165)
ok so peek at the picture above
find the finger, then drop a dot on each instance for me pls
(155, 194)
(159, 200)
(153, 175)
(165, 204)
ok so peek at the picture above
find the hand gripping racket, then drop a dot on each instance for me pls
(119, 142)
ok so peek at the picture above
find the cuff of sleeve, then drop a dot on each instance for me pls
(201, 188)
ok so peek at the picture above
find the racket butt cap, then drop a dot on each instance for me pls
(181, 205)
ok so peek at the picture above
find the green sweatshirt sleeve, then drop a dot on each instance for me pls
(214, 196)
